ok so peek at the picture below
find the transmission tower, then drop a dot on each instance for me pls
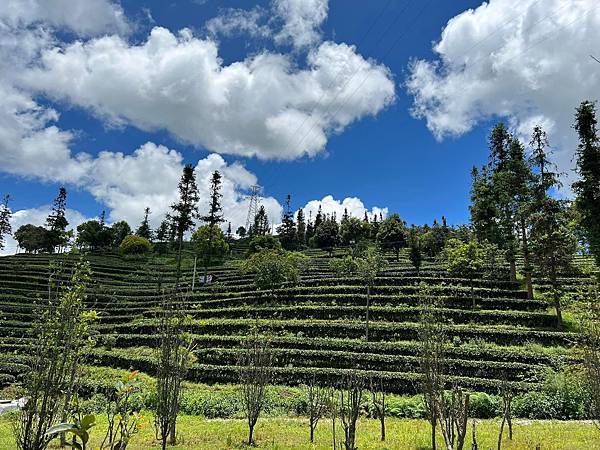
(253, 205)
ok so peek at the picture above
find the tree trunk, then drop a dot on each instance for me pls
(180, 239)
(513, 269)
(251, 434)
(382, 420)
(173, 434)
(312, 432)
(433, 428)
(526, 258)
(501, 430)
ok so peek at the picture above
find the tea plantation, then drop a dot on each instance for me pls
(317, 326)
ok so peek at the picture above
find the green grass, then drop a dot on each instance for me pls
(292, 433)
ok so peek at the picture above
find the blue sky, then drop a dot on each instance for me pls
(385, 156)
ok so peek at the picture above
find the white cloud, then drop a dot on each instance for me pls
(84, 17)
(233, 21)
(302, 20)
(257, 107)
(527, 61)
(353, 205)
(37, 216)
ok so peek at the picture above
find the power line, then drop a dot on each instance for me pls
(318, 103)
(416, 18)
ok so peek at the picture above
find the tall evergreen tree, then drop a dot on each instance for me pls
(5, 216)
(587, 187)
(261, 223)
(213, 218)
(185, 210)
(287, 229)
(310, 228)
(144, 229)
(539, 155)
(57, 223)
(318, 219)
(300, 228)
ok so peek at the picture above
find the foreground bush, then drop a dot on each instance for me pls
(135, 245)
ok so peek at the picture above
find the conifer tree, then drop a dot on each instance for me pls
(229, 235)
(310, 228)
(57, 223)
(300, 228)
(587, 187)
(261, 223)
(287, 229)
(144, 229)
(185, 210)
(5, 216)
(318, 219)
(214, 216)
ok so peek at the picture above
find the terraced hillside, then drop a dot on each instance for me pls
(317, 327)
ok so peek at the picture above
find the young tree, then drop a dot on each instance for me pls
(507, 395)
(255, 372)
(144, 229)
(351, 394)
(590, 326)
(369, 267)
(5, 216)
(59, 338)
(273, 269)
(213, 218)
(432, 345)
(587, 187)
(378, 400)
(56, 222)
(210, 240)
(229, 235)
(317, 399)
(392, 234)
(185, 210)
(174, 356)
(414, 243)
(287, 229)
(464, 260)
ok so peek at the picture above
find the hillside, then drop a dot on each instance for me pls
(317, 326)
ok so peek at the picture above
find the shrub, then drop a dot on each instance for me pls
(263, 242)
(135, 245)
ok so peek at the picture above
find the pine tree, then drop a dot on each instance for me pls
(310, 228)
(261, 223)
(539, 156)
(185, 210)
(300, 228)
(5, 216)
(287, 229)
(214, 216)
(229, 234)
(144, 229)
(318, 219)
(57, 223)
(587, 187)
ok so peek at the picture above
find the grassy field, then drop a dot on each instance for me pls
(292, 433)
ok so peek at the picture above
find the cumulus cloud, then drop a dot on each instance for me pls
(84, 17)
(256, 107)
(353, 205)
(527, 61)
(37, 216)
(302, 20)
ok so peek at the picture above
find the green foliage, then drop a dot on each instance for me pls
(93, 235)
(135, 245)
(119, 230)
(144, 229)
(31, 238)
(263, 242)
(209, 241)
(326, 234)
(463, 259)
(392, 234)
(587, 187)
(5, 216)
(80, 430)
(274, 269)
(354, 230)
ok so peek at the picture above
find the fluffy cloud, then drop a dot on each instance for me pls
(84, 17)
(256, 107)
(353, 205)
(508, 58)
(240, 21)
(302, 20)
(37, 216)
